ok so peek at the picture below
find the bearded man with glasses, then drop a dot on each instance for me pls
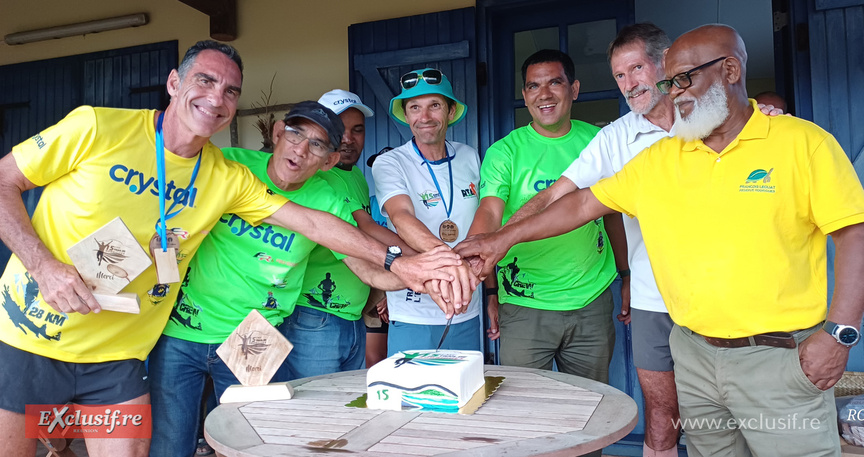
(735, 210)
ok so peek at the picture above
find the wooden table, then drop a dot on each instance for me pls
(533, 412)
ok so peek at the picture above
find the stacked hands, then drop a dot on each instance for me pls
(450, 276)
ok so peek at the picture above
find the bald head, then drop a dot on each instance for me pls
(704, 44)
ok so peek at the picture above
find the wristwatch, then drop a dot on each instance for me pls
(846, 335)
(393, 253)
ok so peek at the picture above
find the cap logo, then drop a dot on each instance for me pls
(344, 101)
(319, 112)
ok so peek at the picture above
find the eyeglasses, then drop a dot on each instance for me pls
(683, 80)
(316, 147)
(431, 76)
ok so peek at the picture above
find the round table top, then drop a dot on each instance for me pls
(533, 412)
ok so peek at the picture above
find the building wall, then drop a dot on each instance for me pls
(751, 18)
(304, 43)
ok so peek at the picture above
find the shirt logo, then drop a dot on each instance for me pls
(264, 233)
(752, 183)
(183, 234)
(262, 256)
(430, 199)
(138, 183)
(40, 142)
(541, 184)
(471, 191)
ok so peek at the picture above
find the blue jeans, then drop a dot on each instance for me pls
(463, 336)
(323, 343)
(178, 370)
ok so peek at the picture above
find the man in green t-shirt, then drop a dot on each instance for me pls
(555, 302)
(240, 268)
(326, 326)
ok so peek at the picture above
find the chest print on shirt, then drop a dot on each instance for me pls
(20, 317)
(324, 294)
(759, 180)
(430, 198)
(514, 282)
(470, 192)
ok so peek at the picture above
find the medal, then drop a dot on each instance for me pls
(156, 242)
(448, 231)
(164, 245)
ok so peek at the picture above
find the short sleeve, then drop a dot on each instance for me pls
(253, 202)
(57, 150)
(390, 179)
(337, 207)
(620, 191)
(592, 164)
(836, 196)
(495, 173)
(341, 187)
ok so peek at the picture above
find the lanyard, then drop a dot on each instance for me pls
(160, 170)
(435, 180)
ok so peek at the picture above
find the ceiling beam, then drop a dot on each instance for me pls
(223, 17)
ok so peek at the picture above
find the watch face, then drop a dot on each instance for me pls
(394, 250)
(848, 335)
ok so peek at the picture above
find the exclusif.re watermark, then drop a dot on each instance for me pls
(762, 422)
(88, 421)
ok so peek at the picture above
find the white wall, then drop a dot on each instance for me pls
(752, 19)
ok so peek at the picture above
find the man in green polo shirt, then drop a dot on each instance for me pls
(554, 296)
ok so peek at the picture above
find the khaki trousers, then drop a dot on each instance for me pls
(750, 401)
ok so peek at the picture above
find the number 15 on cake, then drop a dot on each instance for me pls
(388, 398)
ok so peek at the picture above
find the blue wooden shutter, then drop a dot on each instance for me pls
(836, 39)
(38, 94)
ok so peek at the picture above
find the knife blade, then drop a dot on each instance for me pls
(444, 335)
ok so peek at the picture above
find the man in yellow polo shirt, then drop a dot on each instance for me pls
(735, 210)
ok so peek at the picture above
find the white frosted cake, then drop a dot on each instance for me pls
(425, 379)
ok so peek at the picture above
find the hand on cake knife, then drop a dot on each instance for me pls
(444, 335)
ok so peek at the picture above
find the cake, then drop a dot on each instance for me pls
(428, 380)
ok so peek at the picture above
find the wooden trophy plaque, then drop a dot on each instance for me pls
(253, 352)
(108, 260)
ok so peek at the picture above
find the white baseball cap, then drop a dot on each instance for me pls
(339, 100)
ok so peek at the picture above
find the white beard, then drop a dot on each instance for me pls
(655, 99)
(709, 112)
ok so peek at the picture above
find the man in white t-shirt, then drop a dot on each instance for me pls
(427, 189)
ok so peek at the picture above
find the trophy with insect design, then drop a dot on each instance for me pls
(253, 352)
(108, 260)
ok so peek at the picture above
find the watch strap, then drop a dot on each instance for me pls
(834, 330)
(391, 256)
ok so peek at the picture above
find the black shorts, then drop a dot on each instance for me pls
(30, 379)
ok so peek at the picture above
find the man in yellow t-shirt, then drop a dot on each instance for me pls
(735, 210)
(96, 165)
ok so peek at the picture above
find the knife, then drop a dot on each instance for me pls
(444, 335)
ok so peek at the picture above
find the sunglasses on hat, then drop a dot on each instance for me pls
(431, 76)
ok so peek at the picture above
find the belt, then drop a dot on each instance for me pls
(774, 339)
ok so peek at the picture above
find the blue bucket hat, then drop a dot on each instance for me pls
(397, 112)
